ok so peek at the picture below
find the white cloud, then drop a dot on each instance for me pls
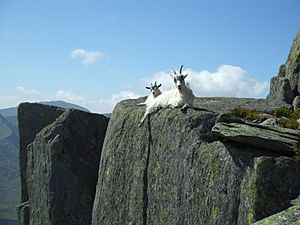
(27, 91)
(107, 105)
(69, 96)
(104, 105)
(227, 80)
(87, 57)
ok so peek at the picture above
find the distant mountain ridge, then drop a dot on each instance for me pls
(12, 111)
(9, 169)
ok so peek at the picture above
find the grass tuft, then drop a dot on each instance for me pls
(245, 113)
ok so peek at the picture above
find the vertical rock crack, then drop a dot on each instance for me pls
(145, 178)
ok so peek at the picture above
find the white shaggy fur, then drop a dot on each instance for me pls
(154, 88)
(180, 97)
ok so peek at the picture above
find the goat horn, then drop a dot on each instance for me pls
(180, 71)
(174, 71)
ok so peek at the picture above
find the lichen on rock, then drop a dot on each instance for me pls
(62, 163)
(172, 170)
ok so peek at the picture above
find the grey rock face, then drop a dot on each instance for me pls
(172, 170)
(296, 103)
(296, 201)
(23, 213)
(287, 83)
(280, 90)
(289, 216)
(292, 65)
(273, 122)
(264, 137)
(32, 118)
(62, 165)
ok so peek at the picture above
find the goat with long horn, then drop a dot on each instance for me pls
(180, 97)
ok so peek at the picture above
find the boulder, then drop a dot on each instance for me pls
(287, 217)
(273, 122)
(296, 201)
(296, 103)
(260, 136)
(292, 65)
(286, 85)
(62, 166)
(172, 170)
(280, 90)
(32, 118)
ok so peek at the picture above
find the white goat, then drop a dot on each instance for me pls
(154, 88)
(182, 96)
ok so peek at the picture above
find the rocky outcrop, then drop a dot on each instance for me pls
(280, 90)
(32, 118)
(286, 86)
(260, 136)
(287, 217)
(193, 167)
(296, 103)
(173, 170)
(61, 153)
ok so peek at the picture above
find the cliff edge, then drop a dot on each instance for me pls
(174, 170)
(59, 158)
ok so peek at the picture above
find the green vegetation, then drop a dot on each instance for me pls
(297, 154)
(245, 113)
(287, 117)
(214, 212)
(282, 111)
(288, 123)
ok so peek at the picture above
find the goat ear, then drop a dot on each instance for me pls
(172, 76)
(159, 85)
(148, 87)
(184, 76)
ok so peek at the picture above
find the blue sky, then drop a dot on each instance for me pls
(95, 53)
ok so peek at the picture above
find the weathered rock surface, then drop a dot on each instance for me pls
(296, 201)
(286, 86)
(62, 164)
(260, 136)
(281, 90)
(292, 65)
(23, 213)
(296, 103)
(273, 122)
(32, 118)
(225, 105)
(290, 216)
(173, 171)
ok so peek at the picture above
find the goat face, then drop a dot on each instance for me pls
(179, 78)
(154, 88)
